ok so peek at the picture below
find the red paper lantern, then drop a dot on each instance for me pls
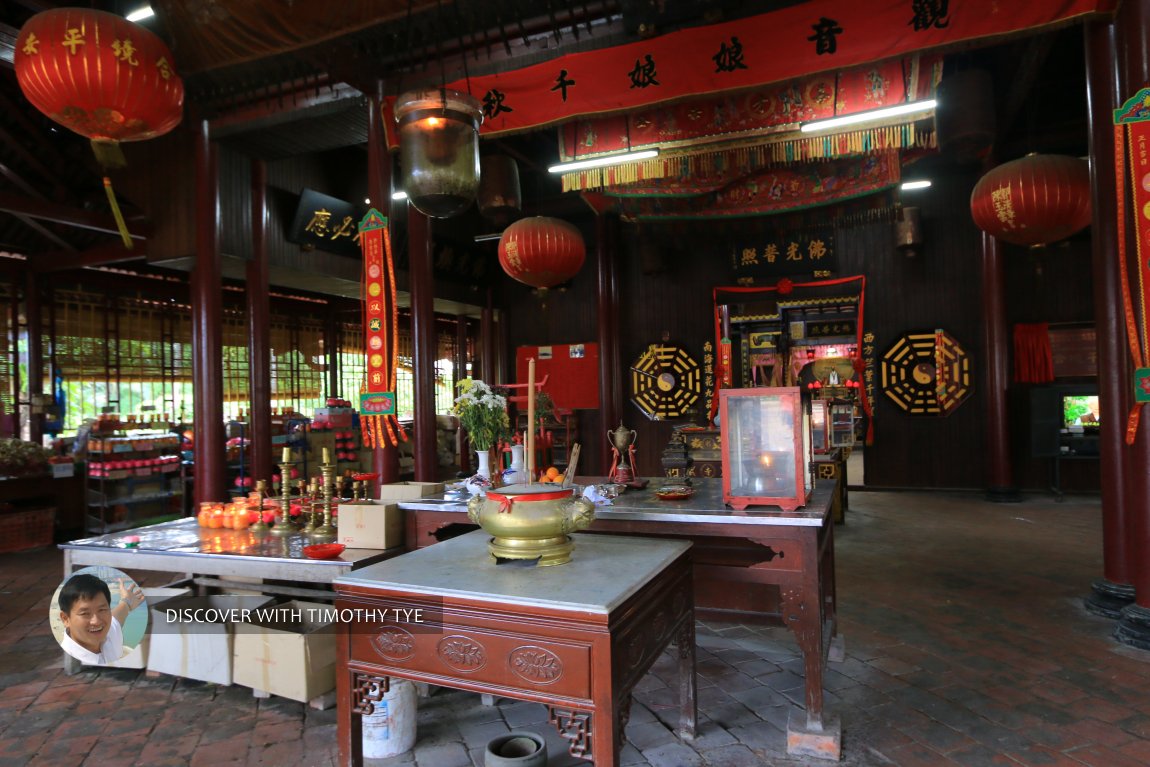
(99, 75)
(541, 252)
(1035, 200)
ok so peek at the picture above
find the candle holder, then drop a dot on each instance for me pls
(307, 507)
(325, 532)
(283, 524)
(260, 527)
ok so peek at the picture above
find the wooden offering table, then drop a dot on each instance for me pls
(576, 637)
(761, 565)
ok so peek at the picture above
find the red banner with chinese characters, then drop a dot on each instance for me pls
(377, 400)
(755, 113)
(786, 44)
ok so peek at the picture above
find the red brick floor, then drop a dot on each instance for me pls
(966, 641)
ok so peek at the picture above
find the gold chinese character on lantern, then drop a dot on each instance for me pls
(164, 67)
(31, 45)
(72, 39)
(1003, 206)
(125, 52)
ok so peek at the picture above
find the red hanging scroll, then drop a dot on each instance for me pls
(1132, 122)
(377, 398)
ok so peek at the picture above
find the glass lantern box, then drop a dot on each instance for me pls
(820, 426)
(766, 447)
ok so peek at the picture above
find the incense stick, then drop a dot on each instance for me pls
(569, 477)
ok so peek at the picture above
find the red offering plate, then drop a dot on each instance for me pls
(323, 550)
(674, 493)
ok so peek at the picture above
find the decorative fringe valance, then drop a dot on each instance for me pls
(714, 168)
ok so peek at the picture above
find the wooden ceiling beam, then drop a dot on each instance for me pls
(62, 214)
(1023, 78)
(100, 255)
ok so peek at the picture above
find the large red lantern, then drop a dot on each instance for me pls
(101, 76)
(541, 252)
(1035, 200)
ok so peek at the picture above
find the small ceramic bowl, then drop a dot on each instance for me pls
(323, 550)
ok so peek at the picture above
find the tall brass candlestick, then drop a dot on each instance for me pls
(260, 527)
(326, 531)
(307, 508)
(283, 516)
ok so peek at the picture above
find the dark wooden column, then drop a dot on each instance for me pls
(33, 311)
(207, 327)
(259, 331)
(463, 444)
(384, 460)
(607, 289)
(1114, 590)
(995, 340)
(1134, 626)
(423, 344)
(487, 365)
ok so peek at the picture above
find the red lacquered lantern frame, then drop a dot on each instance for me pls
(1034, 200)
(542, 252)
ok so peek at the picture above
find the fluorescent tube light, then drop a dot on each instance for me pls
(907, 185)
(874, 114)
(141, 13)
(400, 195)
(488, 237)
(600, 162)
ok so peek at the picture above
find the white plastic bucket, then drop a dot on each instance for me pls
(390, 731)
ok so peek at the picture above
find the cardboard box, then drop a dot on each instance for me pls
(137, 657)
(196, 649)
(291, 658)
(405, 491)
(372, 525)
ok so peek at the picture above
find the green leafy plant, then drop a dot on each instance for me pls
(21, 459)
(482, 412)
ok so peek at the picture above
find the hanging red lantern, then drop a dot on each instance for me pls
(1035, 200)
(541, 252)
(101, 76)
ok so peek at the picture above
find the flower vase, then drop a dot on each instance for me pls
(517, 472)
(481, 480)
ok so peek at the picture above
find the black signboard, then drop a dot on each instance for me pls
(776, 255)
(326, 223)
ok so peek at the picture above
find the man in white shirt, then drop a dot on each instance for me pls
(93, 630)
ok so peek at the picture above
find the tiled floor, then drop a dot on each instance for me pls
(965, 636)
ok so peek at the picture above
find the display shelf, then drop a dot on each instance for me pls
(128, 472)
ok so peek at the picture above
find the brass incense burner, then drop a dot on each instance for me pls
(531, 521)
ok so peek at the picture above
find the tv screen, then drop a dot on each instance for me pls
(1080, 410)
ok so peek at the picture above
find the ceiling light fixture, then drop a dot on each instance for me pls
(908, 185)
(604, 161)
(140, 14)
(488, 237)
(874, 114)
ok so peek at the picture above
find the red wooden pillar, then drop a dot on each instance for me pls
(607, 289)
(1133, 627)
(487, 367)
(461, 338)
(423, 337)
(384, 460)
(207, 327)
(33, 312)
(1113, 591)
(259, 331)
(999, 469)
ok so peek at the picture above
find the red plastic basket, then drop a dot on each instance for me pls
(31, 529)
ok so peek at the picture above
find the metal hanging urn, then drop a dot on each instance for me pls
(439, 150)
